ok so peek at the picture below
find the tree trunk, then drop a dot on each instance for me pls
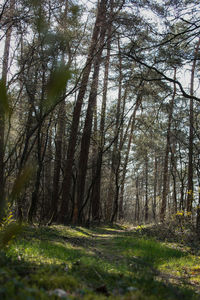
(115, 154)
(174, 176)
(85, 141)
(146, 189)
(167, 149)
(137, 200)
(96, 189)
(48, 179)
(95, 203)
(191, 135)
(2, 112)
(137, 105)
(34, 198)
(58, 160)
(198, 214)
(198, 206)
(41, 150)
(155, 187)
(66, 186)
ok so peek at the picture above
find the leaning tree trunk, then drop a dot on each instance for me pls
(66, 185)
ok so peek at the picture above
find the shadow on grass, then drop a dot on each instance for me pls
(121, 263)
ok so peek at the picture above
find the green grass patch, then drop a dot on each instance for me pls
(97, 263)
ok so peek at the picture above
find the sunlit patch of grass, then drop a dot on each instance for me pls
(80, 260)
(185, 267)
(45, 252)
(149, 250)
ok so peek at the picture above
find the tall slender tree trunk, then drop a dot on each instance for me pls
(2, 112)
(166, 161)
(34, 198)
(58, 160)
(191, 134)
(96, 189)
(48, 179)
(155, 187)
(95, 205)
(121, 200)
(146, 188)
(85, 141)
(115, 152)
(23, 159)
(137, 201)
(182, 203)
(66, 186)
(174, 175)
(59, 138)
(198, 206)
(41, 150)
(198, 213)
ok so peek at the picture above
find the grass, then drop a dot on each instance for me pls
(97, 263)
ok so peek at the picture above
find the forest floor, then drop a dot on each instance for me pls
(60, 262)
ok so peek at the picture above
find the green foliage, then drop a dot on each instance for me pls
(8, 233)
(56, 85)
(7, 216)
(10, 229)
(20, 182)
(75, 9)
(4, 101)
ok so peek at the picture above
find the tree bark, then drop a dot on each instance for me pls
(198, 206)
(2, 112)
(174, 176)
(137, 201)
(115, 153)
(85, 141)
(167, 149)
(191, 134)
(95, 201)
(96, 190)
(155, 187)
(66, 185)
(58, 161)
(41, 150)
(146, 188)
(121, 200)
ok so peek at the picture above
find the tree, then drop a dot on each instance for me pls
(191, 135)
(4, 104)
(66, 186)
